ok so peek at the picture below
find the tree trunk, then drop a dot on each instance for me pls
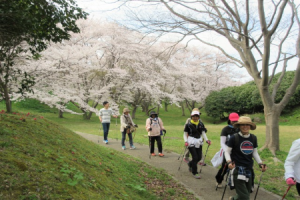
(166, 106)
(133, 112)
(60, 114)
(89, 115)
(182, 108)
(157, 109)
(7, 99)
(272, 129)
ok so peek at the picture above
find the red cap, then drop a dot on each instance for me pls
(234, 117)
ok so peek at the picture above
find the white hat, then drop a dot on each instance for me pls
(195, 113)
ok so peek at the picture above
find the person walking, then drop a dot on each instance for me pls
(195, 130)
(226, 133)
(186, 156)
(127, 125)
(292, 166)
(155, 127)
(105, 114)
(241, 148)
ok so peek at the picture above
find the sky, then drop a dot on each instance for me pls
(115, 12)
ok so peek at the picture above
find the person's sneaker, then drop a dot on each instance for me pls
(161, 155)
(197, 176)
(219, 185)
(231, 198)
(132, 147)
(187, 160)
(153, 154)
(106, 141)
(201, 163)
(123, 147)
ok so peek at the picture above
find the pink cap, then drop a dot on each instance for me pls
(234, 117)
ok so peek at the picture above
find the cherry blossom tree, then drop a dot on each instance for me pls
(262, 36)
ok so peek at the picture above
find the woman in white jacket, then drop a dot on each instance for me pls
(126, 124)
(292, 166)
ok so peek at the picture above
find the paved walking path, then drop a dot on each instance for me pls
(203, 188)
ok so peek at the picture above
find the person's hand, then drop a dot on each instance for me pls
(208, 142)
(231, 165)
(136, 125)
(290, 181)
(263, 167)
(164, 131)
(127, 126)
(186, 144)
(150, 129)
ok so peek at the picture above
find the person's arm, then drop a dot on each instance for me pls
(223, 141)
(185, 136)
(292, 157)
(148, 125)
(114, 114)
(161, 124)
(256, 156)
(122, 121)
(100, 116)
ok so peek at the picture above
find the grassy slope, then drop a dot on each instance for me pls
(40, 159)
(173, 122)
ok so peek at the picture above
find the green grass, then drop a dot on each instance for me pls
(40, 159)
(273, 179)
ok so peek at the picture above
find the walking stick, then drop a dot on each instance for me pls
(184, 149)
(286, 192)
(222, 174)
(259, 182)
(149, 147)
(204, 159)
(226, 184)
(182, 158)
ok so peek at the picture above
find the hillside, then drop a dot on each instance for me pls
(40, 159)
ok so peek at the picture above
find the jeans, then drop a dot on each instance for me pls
(105, 130)
(298, 188)
(124, 137)
(196, 157)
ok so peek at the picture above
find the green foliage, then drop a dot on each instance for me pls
(35, 22)
(246, 98)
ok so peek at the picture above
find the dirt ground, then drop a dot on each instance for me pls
(203, 188)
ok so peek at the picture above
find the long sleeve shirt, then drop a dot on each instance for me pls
(292, 162)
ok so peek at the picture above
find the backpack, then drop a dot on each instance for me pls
(161, 132)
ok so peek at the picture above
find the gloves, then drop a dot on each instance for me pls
(208, 142)
(164, 131)
(135, 125)
(186, 144)
(261, 165)
(150, 129)
(290, 181)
